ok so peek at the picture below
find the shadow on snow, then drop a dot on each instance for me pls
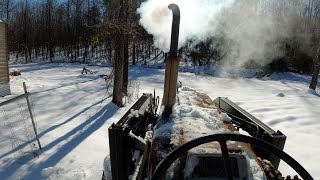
(77, 135)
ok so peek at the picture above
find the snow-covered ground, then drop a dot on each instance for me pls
(73, 113)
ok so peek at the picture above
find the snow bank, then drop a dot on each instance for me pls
(63, 103)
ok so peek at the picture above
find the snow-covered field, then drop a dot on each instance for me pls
(73, 113)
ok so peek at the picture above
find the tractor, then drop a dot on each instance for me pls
(190, 136)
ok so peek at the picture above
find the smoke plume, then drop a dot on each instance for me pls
(250, 30)
(252, 34)
(197, 19)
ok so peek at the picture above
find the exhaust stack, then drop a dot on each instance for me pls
(172, 64)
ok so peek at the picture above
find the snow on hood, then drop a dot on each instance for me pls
(193, 120)
(189, 121)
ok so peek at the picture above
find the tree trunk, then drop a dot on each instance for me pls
(118, 70)
(125, 68)
(315, 74)
(30, 54)
(149, 49)
(51, 52)
(315, 69)
(134, 54)
(8, 10)
(125, 50)
(110, 52)
(36, 53)
(119, 44)
(26, 55)
(137, 51)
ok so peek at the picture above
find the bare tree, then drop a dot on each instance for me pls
(117, 26)
(315, 68)
(5, 9)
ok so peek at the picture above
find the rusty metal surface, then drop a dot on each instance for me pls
(172, 64)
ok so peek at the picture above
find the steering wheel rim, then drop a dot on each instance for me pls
(222, 139)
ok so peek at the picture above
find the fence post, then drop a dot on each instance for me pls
(31, 115)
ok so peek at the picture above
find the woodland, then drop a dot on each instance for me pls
(78, 30)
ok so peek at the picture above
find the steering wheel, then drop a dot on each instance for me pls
(222, 139)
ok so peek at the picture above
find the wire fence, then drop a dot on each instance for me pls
(17, 129)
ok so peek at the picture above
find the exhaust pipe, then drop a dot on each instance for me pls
(175, 29)
(172, 64)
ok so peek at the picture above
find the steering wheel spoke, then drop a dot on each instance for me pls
(226, 159)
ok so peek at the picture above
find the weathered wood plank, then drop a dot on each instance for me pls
(3, 55)
(3, 62)
(4, 72)
(4, 67)
(4, 79)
